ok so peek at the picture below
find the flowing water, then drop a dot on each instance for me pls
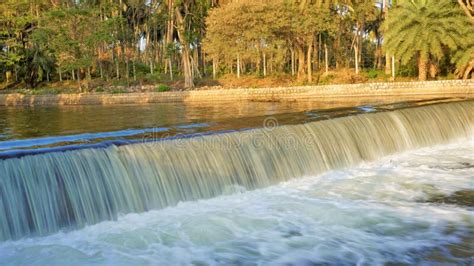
(372, 214)
(276, 194)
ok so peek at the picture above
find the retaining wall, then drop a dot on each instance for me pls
(445, 88)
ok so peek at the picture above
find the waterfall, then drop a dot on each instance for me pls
(44, 193)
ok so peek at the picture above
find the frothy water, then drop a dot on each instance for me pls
(41, 194)
(375, 213)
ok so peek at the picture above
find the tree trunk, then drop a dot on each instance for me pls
(301, 62)
(116, 62)
(468, 70)
(432, 68)
(377, 53)
(117, 68)
(195, 63)
(134, 70)
(393, 67)
(238, 66)
(89, 75)
(170, 65)
(264, 65)
(336, 47)
(293, 65)
(326, 58)
(60, 74)
(127, 66)
(187, 68)
(388, 62)
(8, 75)
(422, 67)
(122, 55)
(356, 49)
(259, 63)
(101, 70)
(214, 70)
(169, 35)
(270, 71)
(309, 61)
(200, 60)
(319, 51)
(360, 45)
(356, 58)
(79, 79)
(186, 53)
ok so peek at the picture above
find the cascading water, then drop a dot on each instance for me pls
(40, 194)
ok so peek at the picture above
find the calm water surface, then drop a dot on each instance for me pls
(46, 126)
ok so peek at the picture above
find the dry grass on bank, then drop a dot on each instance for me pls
(228, 81)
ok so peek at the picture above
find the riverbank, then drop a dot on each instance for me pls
(419, 90)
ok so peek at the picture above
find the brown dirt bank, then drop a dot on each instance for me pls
(418, 90)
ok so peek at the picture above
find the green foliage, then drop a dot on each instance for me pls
(141, 70)
(424, 29)
(123, 42)
(253, 29)
(35, 65)
(464, 58)
(162, 88)
(45, 91)
(119, 91)
(327, 79)
(408, 70)
(153, 78)
(373, 74)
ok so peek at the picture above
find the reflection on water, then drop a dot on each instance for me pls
(42, 121)
(49, 126)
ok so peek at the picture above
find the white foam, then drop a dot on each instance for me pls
(369, 214)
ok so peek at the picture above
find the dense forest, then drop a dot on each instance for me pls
(189, 40)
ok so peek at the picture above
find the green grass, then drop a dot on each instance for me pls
(162, 88)
(118, 91)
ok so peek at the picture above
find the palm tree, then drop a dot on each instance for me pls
(464, 60)
(36, 65)
(424, 29)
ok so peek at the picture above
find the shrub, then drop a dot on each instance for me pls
(152, 78)
(141, 70)
(118, 91)
(372, 74)
(162, 88)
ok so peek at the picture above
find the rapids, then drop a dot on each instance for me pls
(44, 193)
(374, 213)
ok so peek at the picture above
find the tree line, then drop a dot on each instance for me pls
(57, 40)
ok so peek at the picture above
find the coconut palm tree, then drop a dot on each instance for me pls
(424, 29)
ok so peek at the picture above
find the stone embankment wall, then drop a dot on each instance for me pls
(445, 88)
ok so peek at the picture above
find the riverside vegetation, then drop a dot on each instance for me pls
(94, 45)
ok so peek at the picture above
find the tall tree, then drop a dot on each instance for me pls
(422, 29)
